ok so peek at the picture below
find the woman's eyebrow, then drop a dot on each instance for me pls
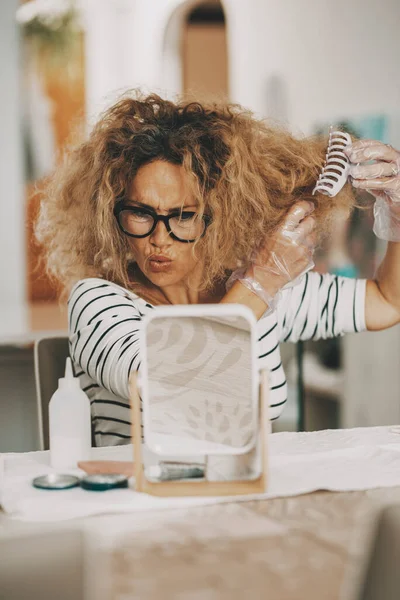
(144, 205)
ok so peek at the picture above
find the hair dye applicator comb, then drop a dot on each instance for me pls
(336, 168)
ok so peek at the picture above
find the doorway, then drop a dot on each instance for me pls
(204, 53)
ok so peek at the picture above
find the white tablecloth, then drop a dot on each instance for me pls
(336, 460)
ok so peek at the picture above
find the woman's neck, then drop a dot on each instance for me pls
(175, 294)
(183, 295)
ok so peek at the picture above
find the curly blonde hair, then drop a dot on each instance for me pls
(247, 174)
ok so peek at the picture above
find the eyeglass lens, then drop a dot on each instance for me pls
(185, 225)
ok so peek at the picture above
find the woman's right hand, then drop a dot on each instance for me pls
(288, 253)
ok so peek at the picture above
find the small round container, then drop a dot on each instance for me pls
(101, 483)
(56, 481)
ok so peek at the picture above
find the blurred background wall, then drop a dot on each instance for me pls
(301, 61)
(12, 205)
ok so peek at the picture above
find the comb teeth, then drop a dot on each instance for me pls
(336, 169)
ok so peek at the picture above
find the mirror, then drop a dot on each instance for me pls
(199, 386)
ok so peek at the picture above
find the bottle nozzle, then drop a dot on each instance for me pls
(69, 374)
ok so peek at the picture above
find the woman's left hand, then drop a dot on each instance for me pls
(382, 180)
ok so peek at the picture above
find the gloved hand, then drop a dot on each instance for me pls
(382, 180)
(283, 258)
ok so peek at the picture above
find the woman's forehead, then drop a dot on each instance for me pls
(162, 185)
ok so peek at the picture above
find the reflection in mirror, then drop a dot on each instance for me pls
(199, 378)
(200, 395)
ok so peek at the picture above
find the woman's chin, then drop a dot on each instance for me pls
(162, 279)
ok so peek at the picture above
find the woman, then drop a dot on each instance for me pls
(174, 203)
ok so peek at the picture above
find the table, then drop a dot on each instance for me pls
(308, 546)
(315, 552)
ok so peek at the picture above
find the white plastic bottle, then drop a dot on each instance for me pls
(69, 423)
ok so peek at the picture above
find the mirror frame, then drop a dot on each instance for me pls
(260, 379)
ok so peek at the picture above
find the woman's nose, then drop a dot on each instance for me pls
(160, 236)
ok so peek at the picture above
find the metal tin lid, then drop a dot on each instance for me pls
(55, 481)
(103, 482)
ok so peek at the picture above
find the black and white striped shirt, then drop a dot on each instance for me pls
(104, 323)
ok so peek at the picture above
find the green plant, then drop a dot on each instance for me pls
(57, 37)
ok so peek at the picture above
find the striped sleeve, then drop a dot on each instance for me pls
(321, 307)
(104, 323)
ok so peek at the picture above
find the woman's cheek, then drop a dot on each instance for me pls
(137, 251)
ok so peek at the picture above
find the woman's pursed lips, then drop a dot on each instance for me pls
(159, 258)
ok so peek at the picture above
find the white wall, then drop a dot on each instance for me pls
(12, 205)
(330, 58)
(300, 60)
(125, 48)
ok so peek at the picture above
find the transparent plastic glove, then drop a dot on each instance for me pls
(283, 258)
(382, 180)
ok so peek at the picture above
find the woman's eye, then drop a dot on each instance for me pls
(139, 214)
(187, 216)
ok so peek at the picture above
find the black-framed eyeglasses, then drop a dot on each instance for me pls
(183, 226)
